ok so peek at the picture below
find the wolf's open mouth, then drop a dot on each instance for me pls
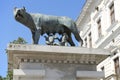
(19, 15)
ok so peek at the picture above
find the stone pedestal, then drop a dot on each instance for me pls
(36, 62)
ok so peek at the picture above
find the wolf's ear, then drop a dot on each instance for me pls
(24, 8)
(15, 8)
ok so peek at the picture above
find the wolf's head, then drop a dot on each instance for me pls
(20, 14)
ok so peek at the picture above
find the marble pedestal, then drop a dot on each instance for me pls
(36, 62)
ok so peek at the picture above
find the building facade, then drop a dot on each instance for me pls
(99, 23)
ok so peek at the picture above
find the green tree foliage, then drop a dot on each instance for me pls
(3, 78)
(19, 41)
(10, 73)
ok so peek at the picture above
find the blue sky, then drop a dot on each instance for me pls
(10, 29)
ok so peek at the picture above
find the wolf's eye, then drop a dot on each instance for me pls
(18, 10)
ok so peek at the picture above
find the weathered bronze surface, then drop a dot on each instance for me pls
(40, 24)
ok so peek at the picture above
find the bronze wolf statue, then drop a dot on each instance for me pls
(40, 24)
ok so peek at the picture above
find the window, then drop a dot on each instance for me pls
(112, 13)
(90, 40)
(97, 8)
(99, 27)
(113, 40)
(117, 67)
(85, 42)
(102, 68)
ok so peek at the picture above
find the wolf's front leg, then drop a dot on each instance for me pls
(36, 36)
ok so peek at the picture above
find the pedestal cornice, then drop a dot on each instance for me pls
(18, 53)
